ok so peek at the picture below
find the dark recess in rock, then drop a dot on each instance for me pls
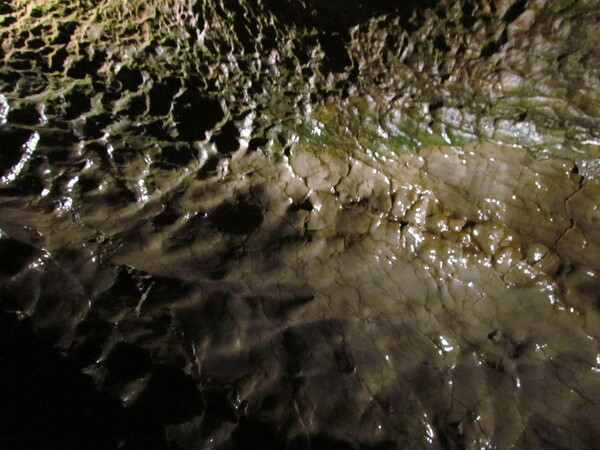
(25, 185)
(34, 57)
(344, 361)
(5, 9)
(494, 46)
(326, 442)
(126, 362)
(130, 79)
(100, 150)
(57, 144)
(109, 97)
(88, 351)
(165, 218)
(336, 57)
(25, 115)
(170, 396)
(253, 434)
(239, 218)
(226, 139)
(44, 399)
(120, 196)
(57, 61)
(40, 30)
(296, 348)
(468, 19)
(161, 96)
(451, 436)
(35, 43)
(195, 113)
(441, 45)
(243, 28)
(10, 78)
(516, 9)
(175, 157)
(256, 143)
(383, 445)
(123, 155)
(320, 442)
(94, 127)
(209, 168)
(87, 183)
(157, 129)
(136, 106)
(36, 12)
(84, 67)
(220, 404)
(305, 205)
(6, 21)
(178, 157)
(12, 146)
(124, 291)
(163, 291)
(65, 30)
(21, 65)
(14, 256)
(49, 403)
(331, 16)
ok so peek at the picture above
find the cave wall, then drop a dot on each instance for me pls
(305, 224)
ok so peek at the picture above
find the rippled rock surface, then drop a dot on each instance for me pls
(302, 225)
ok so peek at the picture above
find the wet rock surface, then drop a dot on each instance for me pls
(294, 225)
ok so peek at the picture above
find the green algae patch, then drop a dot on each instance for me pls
(327, 129)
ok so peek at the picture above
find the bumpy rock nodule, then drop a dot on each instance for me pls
(289, 225)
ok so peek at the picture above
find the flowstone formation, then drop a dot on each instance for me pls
(307, 224)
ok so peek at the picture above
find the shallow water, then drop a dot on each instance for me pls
(249, 239)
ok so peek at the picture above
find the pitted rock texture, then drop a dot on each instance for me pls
(299, 225)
